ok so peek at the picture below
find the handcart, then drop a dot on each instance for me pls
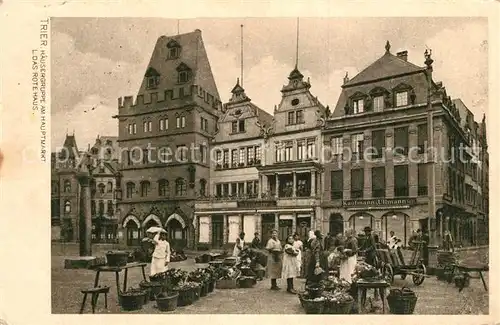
(391, 264)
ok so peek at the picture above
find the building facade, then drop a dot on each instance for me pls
(377, 171)
(266, 174)
(163, 135)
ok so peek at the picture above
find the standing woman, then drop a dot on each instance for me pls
(297, 243)
(306, 257)
(274, 260)
(161, 253)
(318, 265)
(352, 253)
(290, 268)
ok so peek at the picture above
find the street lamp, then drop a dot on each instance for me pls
(431, 221)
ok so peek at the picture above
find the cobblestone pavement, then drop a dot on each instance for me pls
(434, 297)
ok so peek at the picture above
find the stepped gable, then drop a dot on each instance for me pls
(168, 91)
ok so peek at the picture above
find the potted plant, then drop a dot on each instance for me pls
(167, 301)
(152, 288)
(132, 299)
(188, 293)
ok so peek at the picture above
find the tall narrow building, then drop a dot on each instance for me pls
(163, 135)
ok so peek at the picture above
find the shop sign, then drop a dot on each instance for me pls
(379, 203)
(255, 204)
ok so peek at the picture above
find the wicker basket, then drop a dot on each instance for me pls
(335, 308)
(314, 291)
(153, 288)
(211, 286)
(186, 297)
(246, 281)
(132, 299)
(116, 258)
(227, 284)
(402, 302)
(204, 289)
(166, 302)
(312, 306)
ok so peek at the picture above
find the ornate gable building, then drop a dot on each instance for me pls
(376, 171)
(163, 135)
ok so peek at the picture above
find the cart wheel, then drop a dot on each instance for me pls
(388, 273)
(419, 279)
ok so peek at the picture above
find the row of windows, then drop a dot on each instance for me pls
(166, 155)
(378, 184)
(378, 142)
(241, 189)
(152, 82)
(239, 157)
(147, 126)
(145, 189)
(238, 126)
(108, 207)
(378, 101)
(304, 149)
(295, 117)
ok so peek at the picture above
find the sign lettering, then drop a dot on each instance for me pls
(379, 202)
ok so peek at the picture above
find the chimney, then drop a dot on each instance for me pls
(403, 55)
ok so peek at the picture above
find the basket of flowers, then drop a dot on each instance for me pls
(314, 290)
(167, 301)
(132, 299)
(402, 301)
(227, 278)
(312, 305)
(174, 277)
(188, 293)
(332, 283)
(201, 276)
(365, 271)
(152, 288)
(337, 302)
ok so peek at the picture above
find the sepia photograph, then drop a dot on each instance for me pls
(300, 165)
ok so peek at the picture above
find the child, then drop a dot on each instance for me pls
(161, 254)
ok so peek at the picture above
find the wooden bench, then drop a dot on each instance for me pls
(95, 296)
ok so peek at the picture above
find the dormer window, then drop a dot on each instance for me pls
(401, 98)
(174, 50)
(152, 78)
(358, 106)
(238, 126)
(183, 73)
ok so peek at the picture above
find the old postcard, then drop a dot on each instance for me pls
(280, 159)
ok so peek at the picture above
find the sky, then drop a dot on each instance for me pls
(97, 60)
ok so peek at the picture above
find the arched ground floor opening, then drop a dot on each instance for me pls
(177, 231)
(335, 224)
(399, 223)
(360, 220)
(132, 228)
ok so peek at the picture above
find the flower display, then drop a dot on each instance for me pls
(176, 276)
(200, 275)
(226, 273)
(187, 286)
(364, 270)
(334, 284)
(338, 297)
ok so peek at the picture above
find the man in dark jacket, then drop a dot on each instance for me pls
(256, 242)
(369, 246)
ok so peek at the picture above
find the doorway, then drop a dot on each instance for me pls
(285, 229)
(133, 233)
(303, 228)
(268, 226)
(217, 231)
(336, 224)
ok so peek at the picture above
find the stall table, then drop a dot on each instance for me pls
(478, 268)
(117, 270)
(364, 285)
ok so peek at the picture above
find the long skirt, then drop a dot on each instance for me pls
(157, 265)
(290, 267)
(344, 270)
(351, 265)
(306, 258)
(274, 266)
(311, 265)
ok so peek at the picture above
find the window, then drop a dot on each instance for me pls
(203, 153)
(251, 191)
(299, 117)
(145, 188)
(110, 187)
(234, 190)
(180, 187)
(358, 106)
(336, 146)
(401, 181)
(102, 188)
(67, 186)
(300, 150)
(145, 156)
(101, 208)
(378, 103)
(163, 155)
(130, 190)
(291, 118)
(225, 158)
(240, 189)
(422, 137)
(130, 129)
(183, 76)
(173, 52)
(93, 208)
(148, 126)
(337, 184)
(378, 182)
(218, 190)
(241, 126)
(164, 124)
(234, 157)
(110, 211)
(163, 188)
(401, 98)
(311, 149)
(203, 187)
(422, 179)
(67, 206)
(288, 151)
(204, 124)
(181, 122)
(242, 156)
(357, 146)
(278, 151)
(225, 190)
(357, 183)
(181, 153)
(234, 127)
(401, 141)
(152, 82)
(378, 143)
(251, 155)
(258, 155)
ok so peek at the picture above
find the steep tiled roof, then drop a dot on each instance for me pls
(192, 56)
(388, 65)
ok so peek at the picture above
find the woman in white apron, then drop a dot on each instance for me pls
(290, 268)
(352, 252)
(274, 260)
(161, 254)
(298, 244)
